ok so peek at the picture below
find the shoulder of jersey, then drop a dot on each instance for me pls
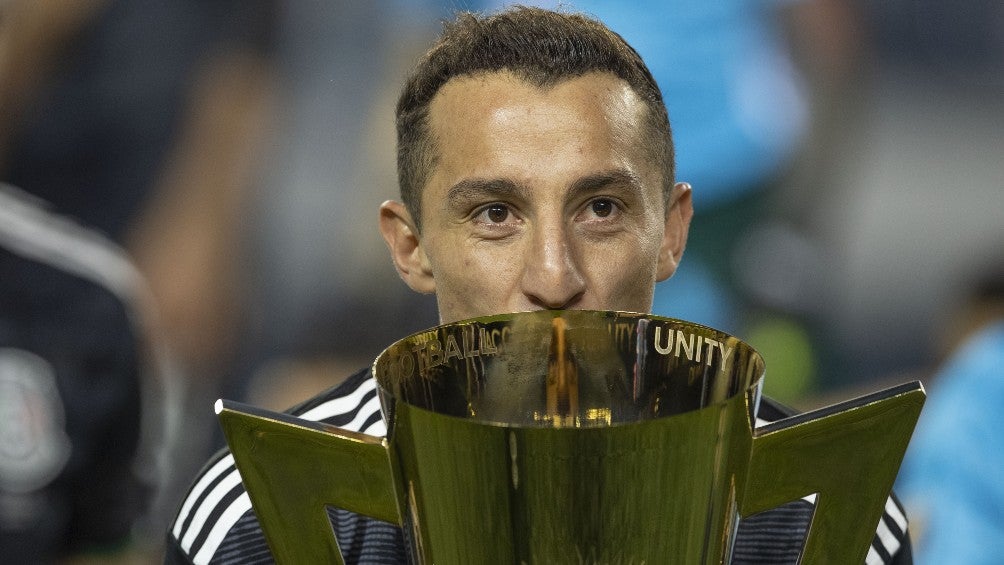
(217, 499)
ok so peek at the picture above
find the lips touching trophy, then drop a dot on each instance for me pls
(573, 437)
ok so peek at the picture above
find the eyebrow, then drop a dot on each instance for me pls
(599, 181)
(471, 190)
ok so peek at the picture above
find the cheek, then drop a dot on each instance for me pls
(628, 273)
(488, 271)
(478, 273)
(631, 276)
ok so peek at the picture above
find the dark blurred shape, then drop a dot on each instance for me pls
(91, 127)
(947, 38)
(81, 390)
(145, 120)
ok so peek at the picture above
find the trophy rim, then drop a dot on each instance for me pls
(387, 385)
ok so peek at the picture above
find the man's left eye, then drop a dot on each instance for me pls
(601, 207)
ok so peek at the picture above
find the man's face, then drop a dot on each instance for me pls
(540, 198)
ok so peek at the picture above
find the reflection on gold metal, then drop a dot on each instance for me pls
(598, 416)
(574, 436)
(562, 379)
(589, 418)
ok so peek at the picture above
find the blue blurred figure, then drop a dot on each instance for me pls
(951, 476)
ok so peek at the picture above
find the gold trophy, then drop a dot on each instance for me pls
(573, 437)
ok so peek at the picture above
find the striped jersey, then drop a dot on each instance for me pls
(216, 525)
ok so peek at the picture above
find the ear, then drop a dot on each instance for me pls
(405, 246)
(680, 209)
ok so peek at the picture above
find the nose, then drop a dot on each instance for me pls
(552, 278)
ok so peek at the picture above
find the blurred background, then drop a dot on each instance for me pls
(847, 159)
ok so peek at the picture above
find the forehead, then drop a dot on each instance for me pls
(600, 91)
(498, 124)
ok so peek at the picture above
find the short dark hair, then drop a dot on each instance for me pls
(540, 47)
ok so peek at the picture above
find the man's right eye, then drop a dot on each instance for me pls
(495, 213)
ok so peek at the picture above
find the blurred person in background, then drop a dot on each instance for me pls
(951, 479)
(81, 392)
(145, 121)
